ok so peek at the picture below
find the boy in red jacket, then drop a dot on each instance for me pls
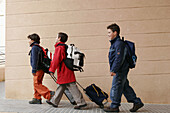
(65, 77)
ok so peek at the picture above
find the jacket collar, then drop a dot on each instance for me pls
(58, 43)
(33, 44)
(116, 38)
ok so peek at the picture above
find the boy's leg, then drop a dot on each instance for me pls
(77, 95)
(117, 88)
(58, 95)
(130, 94)
(131, 97)
(69, 96)
(36, 94)
(116, 91)
(40, 90)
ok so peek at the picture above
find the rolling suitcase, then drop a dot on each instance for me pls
(66, 92)
(95, 94)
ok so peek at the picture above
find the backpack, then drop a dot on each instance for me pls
(131, 56)
(45, 58)
(74, 58)
(95, 94)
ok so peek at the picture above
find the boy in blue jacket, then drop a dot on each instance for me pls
(37, 71)
(119, 68)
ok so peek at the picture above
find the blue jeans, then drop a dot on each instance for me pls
(120, 85)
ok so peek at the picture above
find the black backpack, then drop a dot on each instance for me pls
(131, 56)
(44, 58)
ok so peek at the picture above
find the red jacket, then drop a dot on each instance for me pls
(64, 75)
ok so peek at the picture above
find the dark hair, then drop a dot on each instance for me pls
(34, 37)
(114, 27)
(63, 36)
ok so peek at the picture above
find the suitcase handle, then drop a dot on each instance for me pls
(105, 102)
(81, 86)
(53, 77)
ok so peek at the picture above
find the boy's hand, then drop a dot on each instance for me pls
(51, 73)
(112, 74)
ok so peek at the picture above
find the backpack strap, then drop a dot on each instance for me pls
(125, 51)
(65, 47)
(78, 69)
(45, 53)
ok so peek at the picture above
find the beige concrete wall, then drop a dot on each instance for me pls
(2, 73)
(2, 24)
(145, 22)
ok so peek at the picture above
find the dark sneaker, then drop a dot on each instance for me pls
(136, 107)
(74, 103)
(80, 106)
(35, 101)
(50, 103)
(111, 109)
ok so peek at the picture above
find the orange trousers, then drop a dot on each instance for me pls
(39, 89)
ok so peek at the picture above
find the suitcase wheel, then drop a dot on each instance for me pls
(101, 106)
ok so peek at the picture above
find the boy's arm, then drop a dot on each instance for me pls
(57, 59)
(119, 57)
(34, 53)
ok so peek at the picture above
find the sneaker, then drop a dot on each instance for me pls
(35, 101)
(74, 103)
(80, 106)
(50, 103)
(136, 107)
(111, 109)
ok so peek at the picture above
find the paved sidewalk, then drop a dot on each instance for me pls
(22, 106)
(2, 90)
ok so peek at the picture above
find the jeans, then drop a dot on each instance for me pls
(120, 85)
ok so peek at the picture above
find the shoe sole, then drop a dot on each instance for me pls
(50, 103)
(35, 103)
(81, 106)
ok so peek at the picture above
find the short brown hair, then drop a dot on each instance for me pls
(34, 37)
(114, 27)
(63, 36)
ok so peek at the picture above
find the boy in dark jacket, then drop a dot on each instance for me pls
(65, 77)
(119, 68)
(37, 71)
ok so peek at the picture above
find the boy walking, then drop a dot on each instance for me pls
(65, 77)
(37, 71)
(119, 68)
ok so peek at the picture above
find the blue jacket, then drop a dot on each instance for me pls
(34, 59)
(117, 56)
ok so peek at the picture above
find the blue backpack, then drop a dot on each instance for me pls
(131, 56)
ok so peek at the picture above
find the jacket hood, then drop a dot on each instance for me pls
(58, 43)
